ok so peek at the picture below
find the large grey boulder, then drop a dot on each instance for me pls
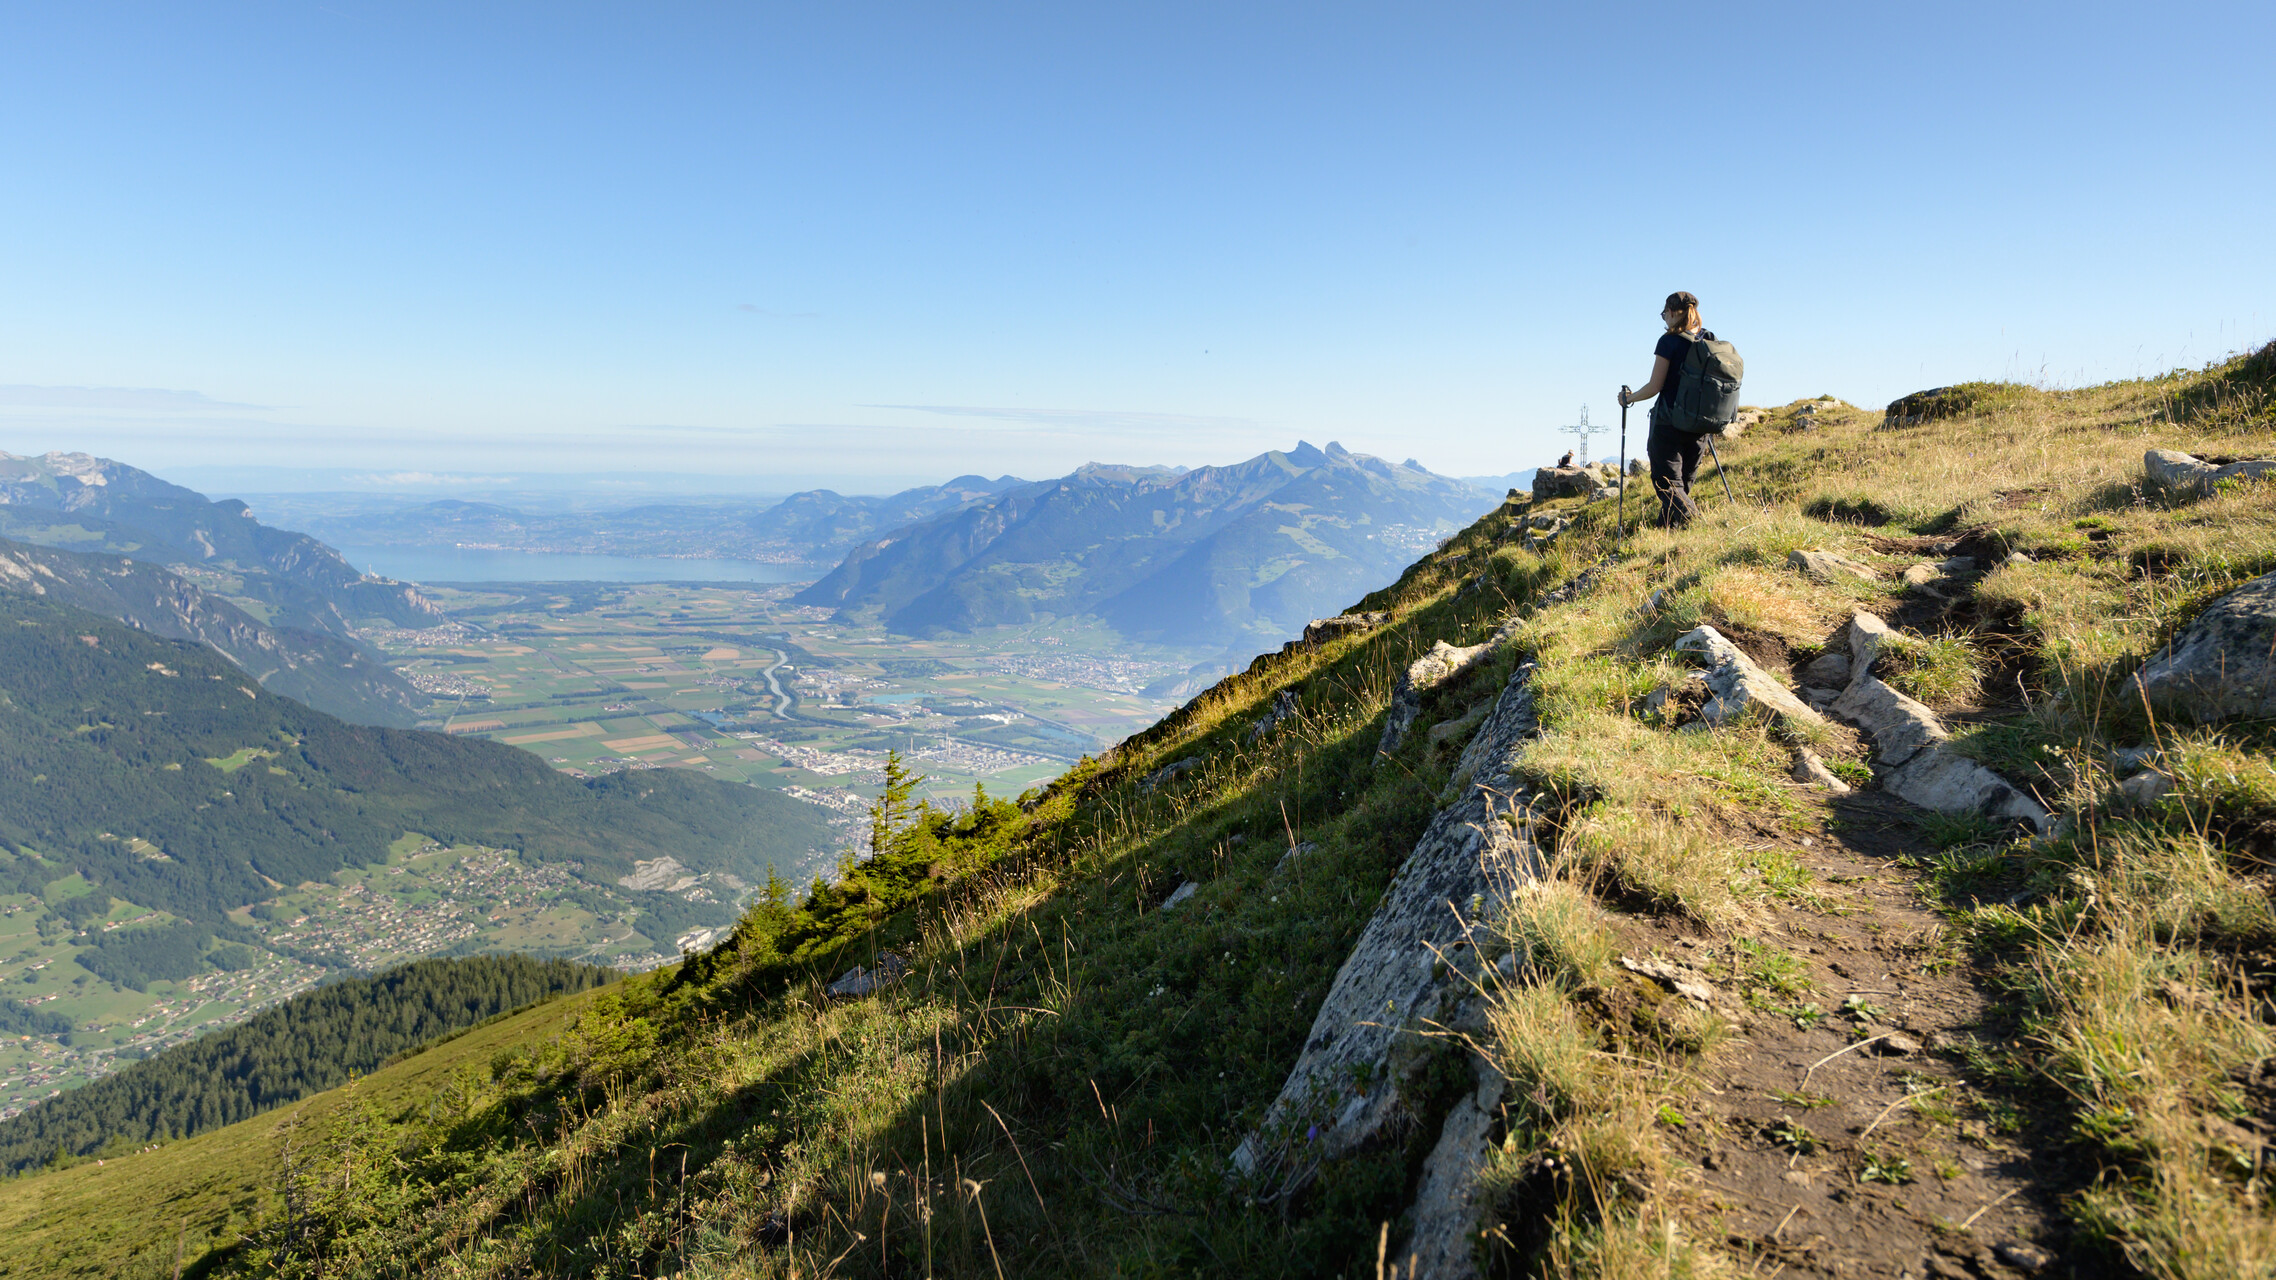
(1736, 686)
(2222, 666)
(1566, 482)
(2179, 473)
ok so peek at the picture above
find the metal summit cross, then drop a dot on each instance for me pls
(1584, 431)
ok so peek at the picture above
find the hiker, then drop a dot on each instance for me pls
(1674, 454)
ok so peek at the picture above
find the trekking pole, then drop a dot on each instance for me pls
(1733, 498)
(1622, 526)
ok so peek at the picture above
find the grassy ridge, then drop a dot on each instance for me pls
(1055, 1086)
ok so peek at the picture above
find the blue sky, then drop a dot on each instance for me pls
(897, 242)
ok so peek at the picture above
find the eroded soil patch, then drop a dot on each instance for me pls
(1846, 1132)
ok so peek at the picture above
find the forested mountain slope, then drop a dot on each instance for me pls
(321, 670)
(1215, 555)
(312, 1042)
(83, 503)
(167, 777)
(1808, 891)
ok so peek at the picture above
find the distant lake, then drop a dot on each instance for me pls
(452, 564)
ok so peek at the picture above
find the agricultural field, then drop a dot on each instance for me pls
(731, 680)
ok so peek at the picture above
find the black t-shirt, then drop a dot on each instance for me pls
(1675, 348)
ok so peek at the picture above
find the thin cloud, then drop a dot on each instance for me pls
(1081, 419)
(143, 399)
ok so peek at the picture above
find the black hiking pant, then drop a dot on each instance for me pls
(1674, 457)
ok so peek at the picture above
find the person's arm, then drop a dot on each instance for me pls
(1652, 388)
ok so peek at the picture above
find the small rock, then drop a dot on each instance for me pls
(1936, 1264)
(1442, 662)
(1468, 720)
(1898, 1044)
(2144, 789)
(1827, 670)
(2131, 759)
(1669, 702)
(1674, 979)
(1957, 565)
(1295, 851)
(1811, 770)
(2024, 1256)
(1828, 566)
(1179, 895)
(2017, 557)
(1153, 781)
(1921, 577)
(858, 981)
(1321, 630)
(1283, 706)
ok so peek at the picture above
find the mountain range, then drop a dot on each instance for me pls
(1219, 556)
(818, 526)
(324, 671)
(118, 541)
(82, 503)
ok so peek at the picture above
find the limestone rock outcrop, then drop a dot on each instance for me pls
(2223, 664)
(1443, 661)
(1736, 686)
(1152, 782)
(1284, 706)
(2181, 474)
(1911, 747)
(1416, 959)
(858, 981)
(1322, 630)
(1830, 566)
(1567, 482)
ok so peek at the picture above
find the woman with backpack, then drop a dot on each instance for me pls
(1673, 453)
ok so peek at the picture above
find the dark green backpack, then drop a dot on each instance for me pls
(1706, 395)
